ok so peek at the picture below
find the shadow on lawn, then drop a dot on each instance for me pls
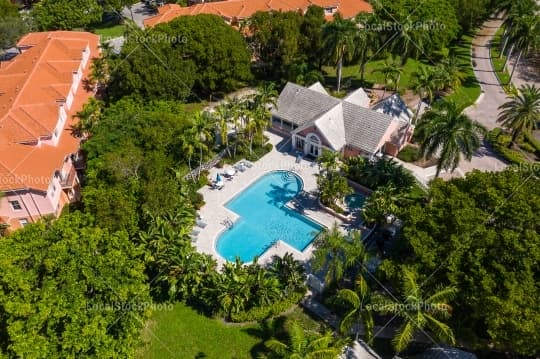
(271, 328)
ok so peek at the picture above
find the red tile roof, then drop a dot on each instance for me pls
(31, 86)
(241, 9)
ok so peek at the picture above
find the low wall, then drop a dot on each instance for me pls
(358, 187)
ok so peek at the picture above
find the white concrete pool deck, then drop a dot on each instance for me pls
(214, 213)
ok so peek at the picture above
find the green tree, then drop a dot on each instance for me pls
(391, 70)
(381, 203)
(66, 277)
(300, 344)
(88, 116)
(448, 134)
(12, 26)
(358, 300)
(334, 253)
(521, 113)
(338, 43)
(312, 36)
(66, 14)
(290, 272)
(419, 311)
(445, 241)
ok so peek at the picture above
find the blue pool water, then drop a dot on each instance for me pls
(355, 201)
(264, 218)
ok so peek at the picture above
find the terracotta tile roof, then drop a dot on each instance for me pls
(241, 9)
(32, 87)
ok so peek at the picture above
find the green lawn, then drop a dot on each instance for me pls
(351, 74)
(469, 90)
(184, 333)
(109, 31)
(465, 95)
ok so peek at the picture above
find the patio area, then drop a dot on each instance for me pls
(218, 218)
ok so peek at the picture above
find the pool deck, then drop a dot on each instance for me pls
(215, 215)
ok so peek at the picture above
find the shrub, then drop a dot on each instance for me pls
(261, 313)
(409, 154)
(197, 200)
(533, 141)
(500, 140)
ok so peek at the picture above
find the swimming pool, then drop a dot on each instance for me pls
(355, 201)
(264, 218)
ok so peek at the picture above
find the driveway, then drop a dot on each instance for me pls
(485, 111)
(139, 12)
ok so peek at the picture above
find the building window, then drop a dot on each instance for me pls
(23, 221)
(300, 143)
(15, 205)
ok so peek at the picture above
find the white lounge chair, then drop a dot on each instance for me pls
(200, 223)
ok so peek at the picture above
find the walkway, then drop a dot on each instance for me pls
(485, 111)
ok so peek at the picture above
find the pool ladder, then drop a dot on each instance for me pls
(227, 222)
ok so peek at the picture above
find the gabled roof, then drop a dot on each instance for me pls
(364, 128)
(32, 87)
(317, 86)
(358, 97)
(299, 105)
(341, 121)
(242, 9)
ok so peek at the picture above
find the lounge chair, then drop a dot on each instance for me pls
(195, 232)
(248, 164)
(241, 167)
(200, 223)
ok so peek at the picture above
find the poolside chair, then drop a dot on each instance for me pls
(240, 167)
(200, 223)
(247, 164)
(195, 232)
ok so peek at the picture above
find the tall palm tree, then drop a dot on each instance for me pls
(521, 113)
(358, 300)
(408, 39)
(301, 345)
(391, 71)
(424, 84)
(448, 133)
(335, 254)
(222, 116)
(419, 311)
(454, 70)
(365, 39)
(338, 42)
(525, 37)
(202, 134)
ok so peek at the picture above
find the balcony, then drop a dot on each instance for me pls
(68, 180)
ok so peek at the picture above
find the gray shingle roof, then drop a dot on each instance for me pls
(299, 105)
(364, 128)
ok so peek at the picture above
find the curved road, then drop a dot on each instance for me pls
(485, 111)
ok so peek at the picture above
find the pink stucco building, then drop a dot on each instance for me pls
(40, 92)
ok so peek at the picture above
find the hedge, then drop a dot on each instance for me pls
(499, 141)
(261, 313)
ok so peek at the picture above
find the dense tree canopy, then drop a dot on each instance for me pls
(66, 14)
(481, 235)
(12, 25)
(187, 58)
(70, 289)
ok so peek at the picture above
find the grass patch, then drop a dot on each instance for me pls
(184, 333)
(351, 74)
(498, 60)
(108, 30)
(468, 92)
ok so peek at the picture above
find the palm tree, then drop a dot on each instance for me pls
(454, 70)
(408, 39)
(419, 311)
(391, 72)
(338, 42)
(300, 345)
(202, 134)
(365, 39)
(335, 253)
(424, 84)
(88, 116)
(380, 204)
(222, 116)
(525, 37)
(290, 272)
(521, 112)
(448, 133)
(233, 288)
(329, 161)
(359, 300)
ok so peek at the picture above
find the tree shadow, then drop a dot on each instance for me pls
(200, 355)
(268, 329)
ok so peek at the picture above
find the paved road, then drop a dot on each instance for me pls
(138, 13)
(486, 110)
